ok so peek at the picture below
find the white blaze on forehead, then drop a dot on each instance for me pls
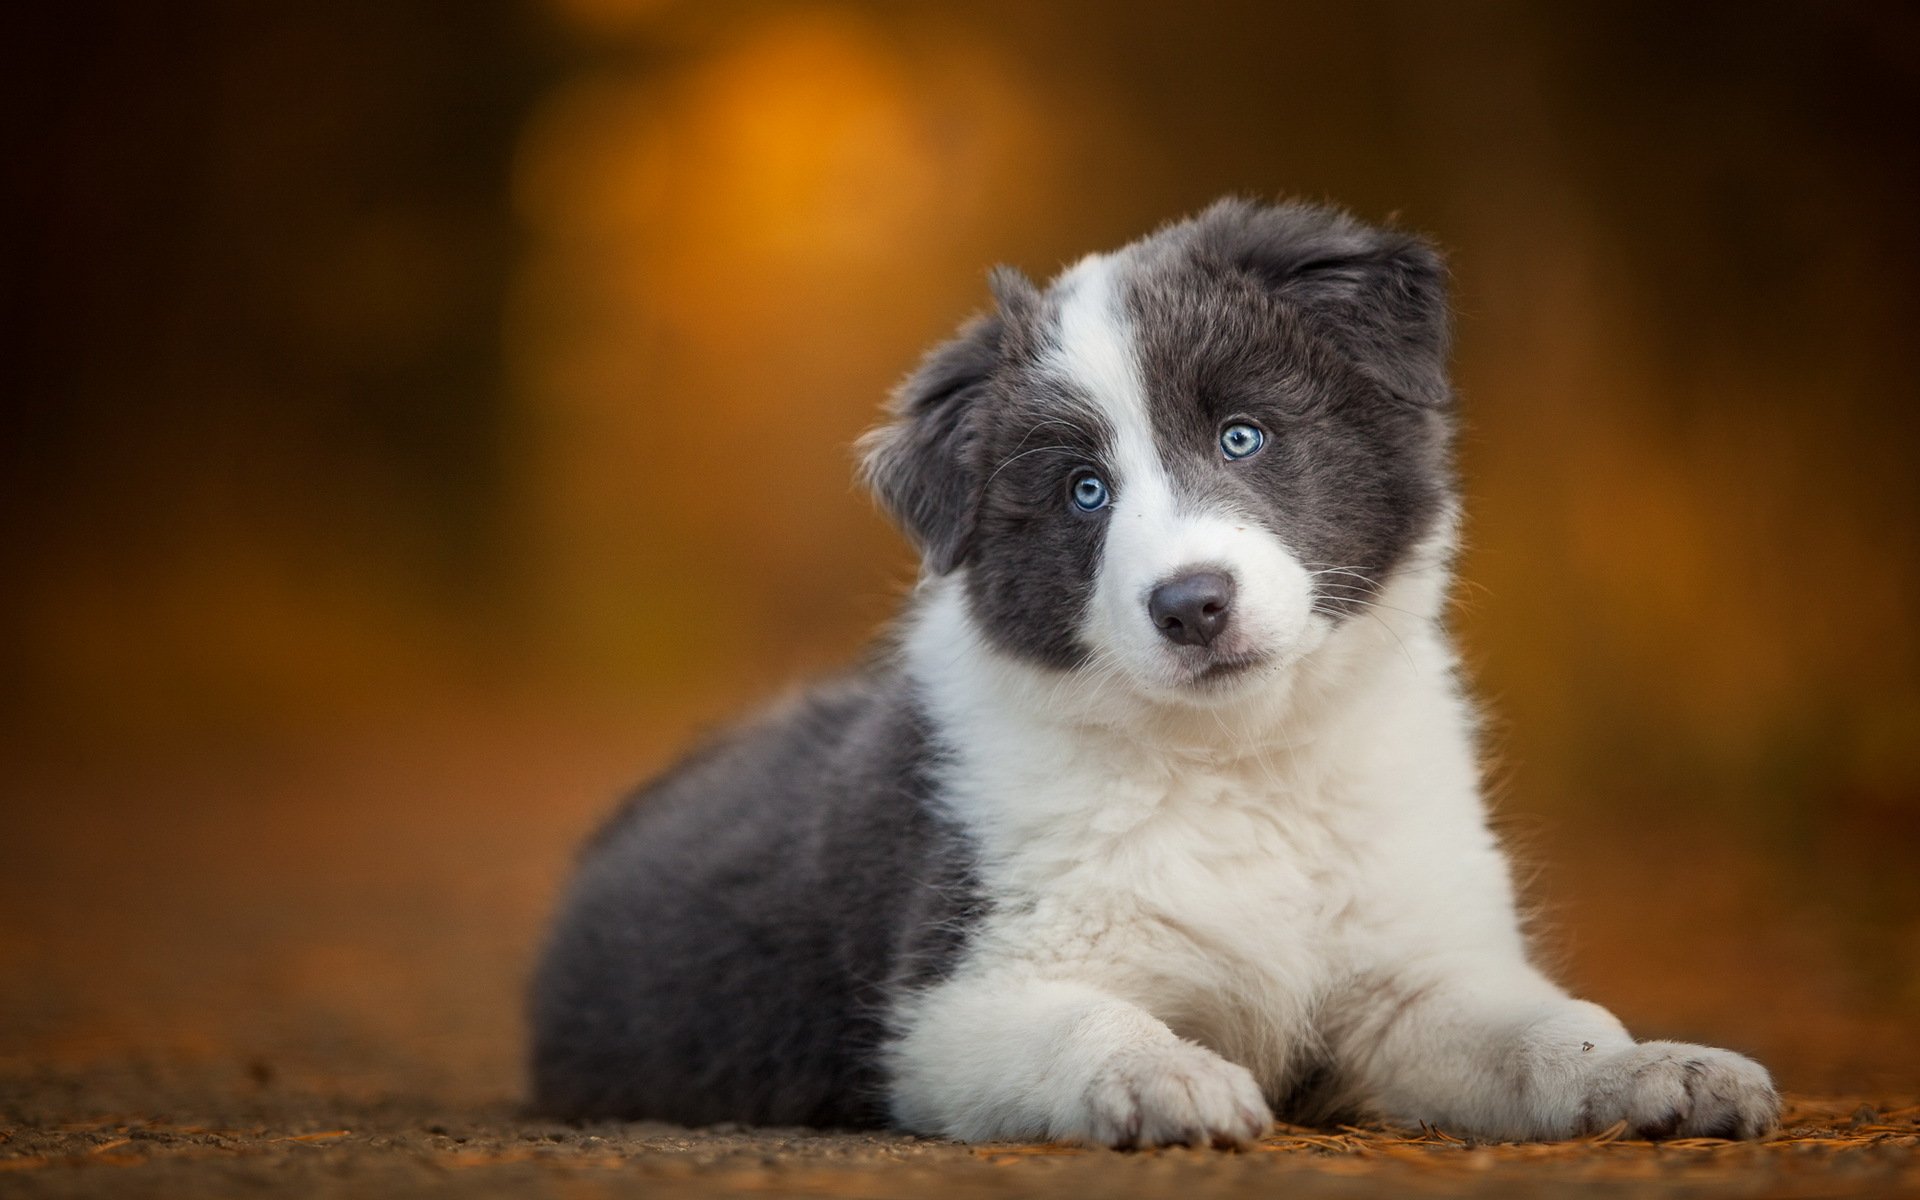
(1095, 352)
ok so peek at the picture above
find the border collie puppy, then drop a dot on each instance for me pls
(1160, 814)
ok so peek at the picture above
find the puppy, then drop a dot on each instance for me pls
(1160, 813)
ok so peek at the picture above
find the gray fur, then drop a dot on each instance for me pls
(1331, 336)
(734, 938)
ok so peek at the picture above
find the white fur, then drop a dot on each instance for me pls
(1192, 899)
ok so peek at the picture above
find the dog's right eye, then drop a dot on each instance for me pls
(1090, 493)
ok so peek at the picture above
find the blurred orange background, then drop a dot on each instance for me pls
(424, 417)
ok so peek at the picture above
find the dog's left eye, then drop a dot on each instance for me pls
(1241, 440)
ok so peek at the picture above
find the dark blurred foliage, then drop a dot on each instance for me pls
(254, 267)
(435, 376)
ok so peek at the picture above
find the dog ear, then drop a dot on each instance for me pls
(923, 464)
(1378, 294)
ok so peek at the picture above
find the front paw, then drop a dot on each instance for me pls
(1668, 1090)
(1171, 1094)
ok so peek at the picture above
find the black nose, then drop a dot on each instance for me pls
(1192, 609)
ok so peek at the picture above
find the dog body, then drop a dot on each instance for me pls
(1163, 812)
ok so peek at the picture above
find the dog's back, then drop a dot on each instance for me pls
(730, 935)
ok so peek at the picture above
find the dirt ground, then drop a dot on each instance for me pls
(298, 969)
(122, 1134)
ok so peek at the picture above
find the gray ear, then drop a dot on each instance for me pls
(1379, 294)
(923, 464)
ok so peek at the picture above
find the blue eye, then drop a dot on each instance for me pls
(1090, 493)
(1241, 440)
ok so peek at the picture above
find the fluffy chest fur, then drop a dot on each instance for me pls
(1231, 870)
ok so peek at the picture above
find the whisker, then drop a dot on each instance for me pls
(1341, 571)
(1365, 607)
(1017, 457)
(1367, 601)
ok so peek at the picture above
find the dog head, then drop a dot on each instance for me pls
(1188, 461)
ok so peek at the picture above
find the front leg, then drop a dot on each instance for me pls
(987, 1058)
(1498, 1051)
